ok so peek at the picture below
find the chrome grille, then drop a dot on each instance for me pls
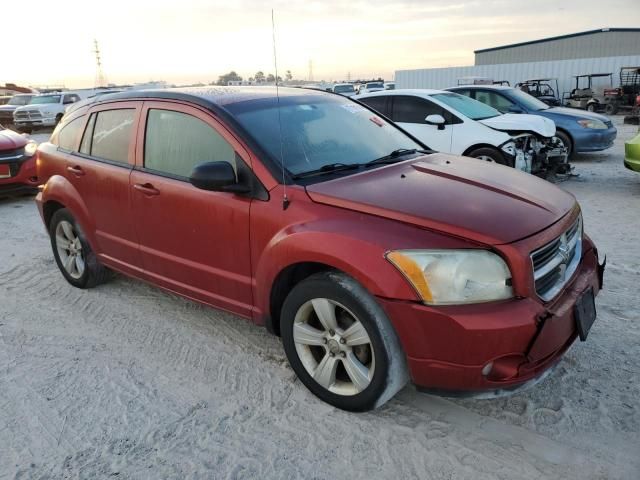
(28, 115)
(555, 263)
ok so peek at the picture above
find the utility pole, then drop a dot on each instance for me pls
(99, 79)
(311, 70)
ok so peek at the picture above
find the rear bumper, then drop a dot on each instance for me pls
(448, 347)
(25, 180)
(591, 140)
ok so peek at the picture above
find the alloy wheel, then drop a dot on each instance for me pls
(333, 346)
(69, 249)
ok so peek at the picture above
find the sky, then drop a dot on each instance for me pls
(189, 41)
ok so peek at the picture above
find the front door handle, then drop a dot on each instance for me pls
(146, 188)
(77, 171)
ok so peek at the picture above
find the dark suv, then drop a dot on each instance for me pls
(375, 259)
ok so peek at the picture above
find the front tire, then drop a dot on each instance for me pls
(490, 155)
(341, 344)
(73, 254)
(566, 141)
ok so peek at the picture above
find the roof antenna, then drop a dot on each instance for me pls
(285, 199)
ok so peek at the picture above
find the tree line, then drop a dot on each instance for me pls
(259, 77)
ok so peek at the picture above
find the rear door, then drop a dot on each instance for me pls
(192, 241)
(410, 112)
(99, 170)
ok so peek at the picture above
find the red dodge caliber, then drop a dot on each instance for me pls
(376, 260)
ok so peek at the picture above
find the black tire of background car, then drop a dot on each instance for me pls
(94, 273)
(492, 153)
(566, 140)
(390, 374)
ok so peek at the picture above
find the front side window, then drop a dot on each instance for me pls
(408, 109)
(69, 133)
(175, 142)
(108, 135)
(318, 130)
(70, 99)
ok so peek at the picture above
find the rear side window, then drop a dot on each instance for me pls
(176, 142)
(108, 135)
(69, 134)
(378, 103)
(414, 110)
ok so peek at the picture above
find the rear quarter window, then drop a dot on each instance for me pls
(69, 134)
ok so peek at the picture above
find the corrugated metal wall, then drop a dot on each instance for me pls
(563, 70)
(595, 45)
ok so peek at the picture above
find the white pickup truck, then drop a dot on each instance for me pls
(43, 110)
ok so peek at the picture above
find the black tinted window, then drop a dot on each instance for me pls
(110, 137)
(69, 134)
(176, 142)
(414, 110)
(379, 104)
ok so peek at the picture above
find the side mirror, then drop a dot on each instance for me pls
(437, 120)
(514, 109)
(216, 177)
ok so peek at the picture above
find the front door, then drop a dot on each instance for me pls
(192, 241)
(410, 113)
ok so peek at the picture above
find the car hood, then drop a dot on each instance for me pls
(10, 140)
(522, 123)
(574, 113)
(458, 196)
(7, 108)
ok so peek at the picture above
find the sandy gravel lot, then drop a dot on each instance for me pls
(125, 381)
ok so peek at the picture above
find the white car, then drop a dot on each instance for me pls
(345, 89)
(371, 87)
(452, 123)
(43, 110)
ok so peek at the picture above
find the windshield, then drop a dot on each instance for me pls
(45, 99)
(528, 101)
(343, 88)
(375, 85)
(319, 130)
(19, 100)
(467, 106)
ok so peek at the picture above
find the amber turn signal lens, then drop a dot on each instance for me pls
(410, 269)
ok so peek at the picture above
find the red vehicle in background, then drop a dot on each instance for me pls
(17, 163)
(375, 259)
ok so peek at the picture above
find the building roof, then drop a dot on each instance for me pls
(561, 37)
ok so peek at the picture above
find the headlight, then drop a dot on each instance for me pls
(445, 277)
(30, 148)
(509, 147)
(595, 124)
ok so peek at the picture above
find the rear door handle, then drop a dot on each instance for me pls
(146, 188)
(77, 171)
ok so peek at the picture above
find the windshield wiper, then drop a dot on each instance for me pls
(329, 168)
(394, 156)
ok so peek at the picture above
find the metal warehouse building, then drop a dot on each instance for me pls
(606, 42)
(595, 51)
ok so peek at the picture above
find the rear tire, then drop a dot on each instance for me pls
(341, 344)
(591, 107)
(490, 155)
(611, 109)
(73, 254)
